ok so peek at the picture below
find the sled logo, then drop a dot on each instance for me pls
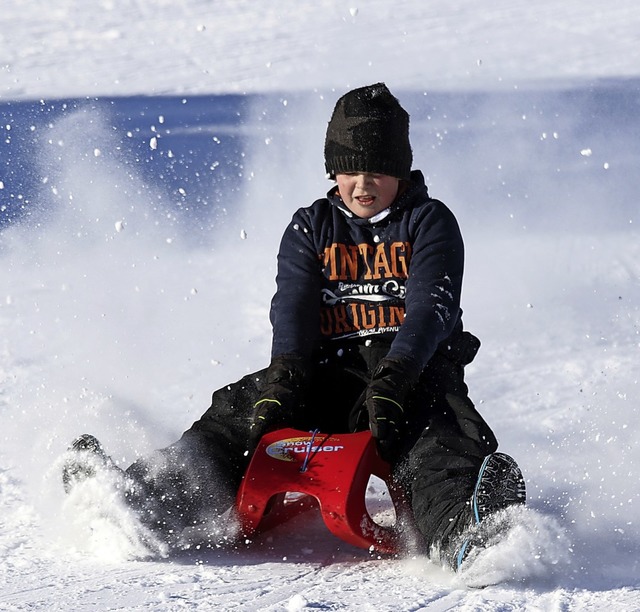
(295, 449)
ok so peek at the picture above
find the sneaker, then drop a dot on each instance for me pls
(86, 456)
(500, 485)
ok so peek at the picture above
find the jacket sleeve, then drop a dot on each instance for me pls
(295, 307)
(434, 285)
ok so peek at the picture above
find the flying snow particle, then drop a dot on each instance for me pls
(1, 185)
(353, 11)
(243, 235)
(153, 143)
(586, 152)
(97, 152)
(119, 226)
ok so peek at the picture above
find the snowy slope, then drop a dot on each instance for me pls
(141, 204)
(119, 47)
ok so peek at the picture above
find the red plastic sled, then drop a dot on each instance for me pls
(331, 471)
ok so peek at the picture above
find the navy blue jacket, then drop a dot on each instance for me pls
(397, 278)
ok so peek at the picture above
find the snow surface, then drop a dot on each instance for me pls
(151, 154)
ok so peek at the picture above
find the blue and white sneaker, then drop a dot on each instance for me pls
(500, 485)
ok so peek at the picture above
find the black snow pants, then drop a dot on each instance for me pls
(195, 479)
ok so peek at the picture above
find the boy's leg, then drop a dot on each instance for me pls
(194, 480)
(441, 470)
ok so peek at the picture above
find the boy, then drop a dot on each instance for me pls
(367, 333)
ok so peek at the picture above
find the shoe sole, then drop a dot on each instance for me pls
(500, 484)
(76, 470)
(87, 442)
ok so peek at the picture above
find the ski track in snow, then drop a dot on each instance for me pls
(129, 223)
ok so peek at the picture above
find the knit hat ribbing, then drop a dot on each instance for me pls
(368, 132)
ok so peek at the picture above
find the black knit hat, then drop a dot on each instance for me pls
(368, 132)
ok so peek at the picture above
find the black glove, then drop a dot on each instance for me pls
(285, 384)
(384, 399)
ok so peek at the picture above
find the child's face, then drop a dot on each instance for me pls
(364, 194)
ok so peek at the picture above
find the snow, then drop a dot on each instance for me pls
(152, 153)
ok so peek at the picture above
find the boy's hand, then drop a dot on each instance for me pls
(285, 384)
(385, 398)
